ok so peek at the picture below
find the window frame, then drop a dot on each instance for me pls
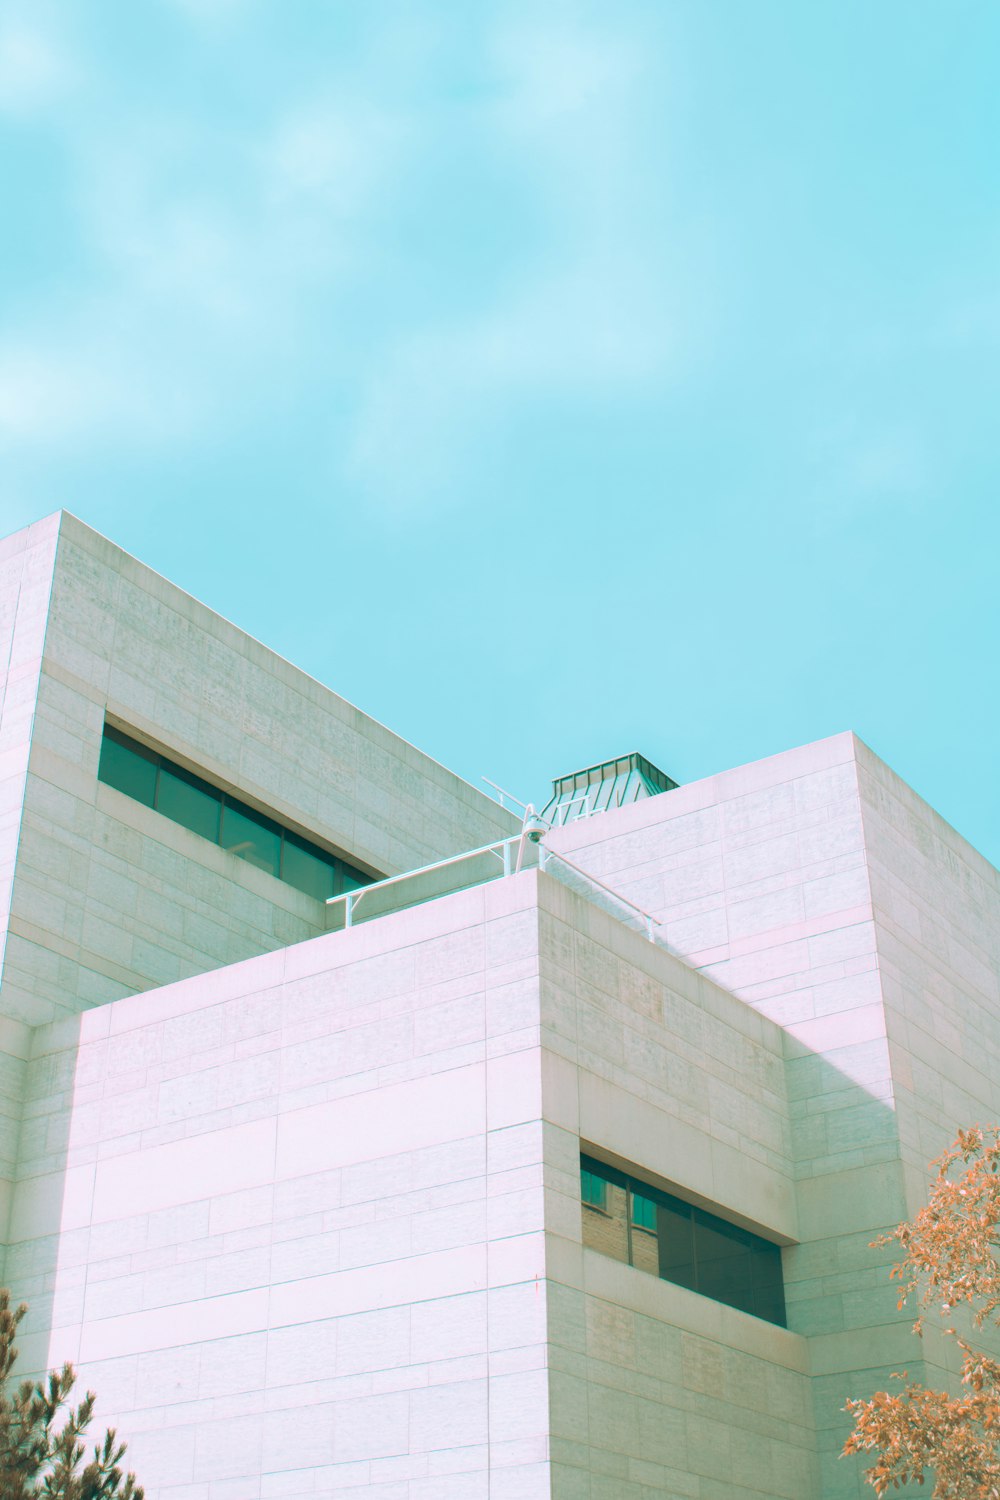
(758, 1250)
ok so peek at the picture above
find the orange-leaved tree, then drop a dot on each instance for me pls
(950, 1251)
(40, 1458)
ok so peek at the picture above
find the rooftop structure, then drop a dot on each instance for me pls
(353, 1143)
(604, 788)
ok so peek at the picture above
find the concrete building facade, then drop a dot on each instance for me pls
(303, 1200)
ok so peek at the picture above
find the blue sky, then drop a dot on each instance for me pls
(550, 379)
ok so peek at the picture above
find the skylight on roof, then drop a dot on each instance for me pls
(601, 788)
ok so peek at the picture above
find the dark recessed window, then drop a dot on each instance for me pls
(309, 868)
(632, 1221)
(188, 799)
(129, 766)
(252, 836)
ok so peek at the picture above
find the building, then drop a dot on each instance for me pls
(331, 1194)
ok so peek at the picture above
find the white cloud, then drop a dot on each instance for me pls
(197, 257)
(196, 293)
(597, 311)
(891, 465)
(339, 152)
(48, 395)
(565, 72)
(208, 11)
(430, 395)
(211, 246)
(859, 466)
(33, 71)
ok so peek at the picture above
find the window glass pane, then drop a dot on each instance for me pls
(728, 1282)
(766, 1262)
(675, 1234)
(351, 879)
(129, 767)
(770, 1305)
(722, 1254)
(307, 868)
(188, 800)
(645, 1247)
(252, 836)
(768, 1290)
(605, 1227)
(593, 1189)
(643, 1211)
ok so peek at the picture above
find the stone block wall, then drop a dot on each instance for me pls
(308, 1216)
(936, 908)
(655, 1390)
(26, 566)
(822, 891)
(326, 1202)
(288, 1217)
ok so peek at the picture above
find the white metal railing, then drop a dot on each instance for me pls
(563, 812)
(502, 850)
(513, 854)
(547, 859)
(504, 797)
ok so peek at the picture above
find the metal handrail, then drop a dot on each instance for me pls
(502, 848)
(563, 811)
(509, 796)
(544, 855)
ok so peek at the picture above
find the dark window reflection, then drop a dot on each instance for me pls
(769, 1291)
(722, 1259)
(252, 836)
(305, 868)
(189, 800)
(676, 1229)
(680, 1243)
(129, 767)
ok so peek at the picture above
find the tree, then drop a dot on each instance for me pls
(39, 1459)
(949, 1259)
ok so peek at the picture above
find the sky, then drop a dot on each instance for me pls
(553, 379)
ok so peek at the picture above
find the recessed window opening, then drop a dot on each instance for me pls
(184, 798)
(638, 1224)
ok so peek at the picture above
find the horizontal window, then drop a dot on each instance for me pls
(187, 799)
(635, 1223)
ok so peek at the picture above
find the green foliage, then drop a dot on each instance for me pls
(38, 1458)
(950, 1259)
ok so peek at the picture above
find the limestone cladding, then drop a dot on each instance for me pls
(824, 892)
(310, 1224)
(305, 1207)
(99, 895)
(288, 1216)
